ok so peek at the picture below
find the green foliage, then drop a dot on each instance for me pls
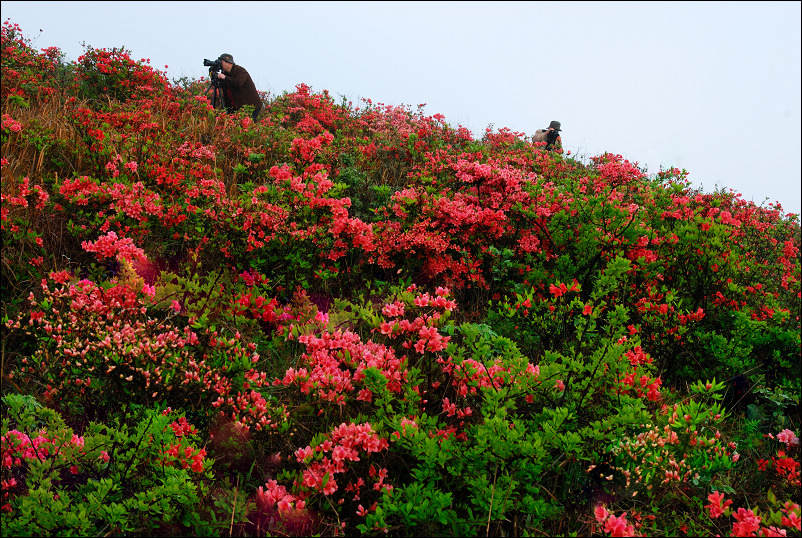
(114, 478)
(419, 509)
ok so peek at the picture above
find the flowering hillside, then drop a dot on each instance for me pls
(362, 320)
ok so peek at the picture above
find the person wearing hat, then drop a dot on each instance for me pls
(551, 136)
(238, 86)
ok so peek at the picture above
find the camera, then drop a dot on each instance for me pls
(213, 65)
(551, 138)
(215, 84)
(214, 68)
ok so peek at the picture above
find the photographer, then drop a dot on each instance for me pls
(551, 136)
(238, 87)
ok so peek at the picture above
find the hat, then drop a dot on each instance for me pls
(227, 58)
(555, 125)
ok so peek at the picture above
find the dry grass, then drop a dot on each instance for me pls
(27, 155)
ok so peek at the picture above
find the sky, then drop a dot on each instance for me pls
(711, 87)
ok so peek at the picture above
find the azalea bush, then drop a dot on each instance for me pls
(358, 318)
(113, 478)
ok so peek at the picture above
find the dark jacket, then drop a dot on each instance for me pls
(552, 139)
(240, 89)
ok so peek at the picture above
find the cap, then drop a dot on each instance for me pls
(226, 58)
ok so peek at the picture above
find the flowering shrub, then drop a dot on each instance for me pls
(785, 463)
(111, 477)
(27, 73)
(114, 74)
(87, 362)
(684, 445)
(749, 522)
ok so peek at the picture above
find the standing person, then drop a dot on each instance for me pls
(551, 136)
(238, 86)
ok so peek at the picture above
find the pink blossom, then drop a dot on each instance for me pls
(11, 124)
(747, 523)
(110, 246)
(788, 437)
(772, 531)
(792, 520)
(618, 526)
(601, 513)
(717, 504)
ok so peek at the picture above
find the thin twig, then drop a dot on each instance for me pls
(492, 493)
(233, 508)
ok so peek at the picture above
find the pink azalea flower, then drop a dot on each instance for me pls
(150, 291)
(601, 513)
(788, 437)
(717, 504)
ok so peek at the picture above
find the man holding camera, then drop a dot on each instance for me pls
(238, 87)
(551, 136)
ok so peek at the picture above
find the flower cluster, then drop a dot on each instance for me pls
(102, 341)
(330, 457)
(334, 362)
(717, 504)
(18, 448)
(11, 124)
(785, 464)
(671, 456)
(185, 457)
(308, 149)
(749, 522)
(111, 246)
(612, 524)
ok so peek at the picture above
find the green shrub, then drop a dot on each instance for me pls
(143, 475)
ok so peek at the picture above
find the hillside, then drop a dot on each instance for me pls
(343, 320)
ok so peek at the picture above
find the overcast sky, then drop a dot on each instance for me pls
(710, 87)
